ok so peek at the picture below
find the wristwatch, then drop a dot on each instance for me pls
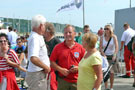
(94, 89)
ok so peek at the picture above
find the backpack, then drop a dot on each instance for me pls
(129, 45)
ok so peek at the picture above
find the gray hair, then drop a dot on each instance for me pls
(37, 20)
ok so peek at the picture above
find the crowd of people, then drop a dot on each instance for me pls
(46, 63)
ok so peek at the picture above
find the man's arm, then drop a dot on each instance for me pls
(38, 62)
(63, 71)
(122, 44)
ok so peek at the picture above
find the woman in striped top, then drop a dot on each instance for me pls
(8, 60)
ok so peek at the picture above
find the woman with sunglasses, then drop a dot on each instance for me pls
(110, 52)
(8, 60)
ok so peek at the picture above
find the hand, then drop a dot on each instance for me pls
(120, 49)
(47, 70)
(8, 61)
(113, 58)
(64, 71)
(74, 69)
(105, 56)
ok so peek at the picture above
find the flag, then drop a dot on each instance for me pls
(74, 4)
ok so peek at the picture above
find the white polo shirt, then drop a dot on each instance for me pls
(37, 47)
(127, 35)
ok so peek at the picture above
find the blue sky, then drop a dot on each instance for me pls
(97, 12)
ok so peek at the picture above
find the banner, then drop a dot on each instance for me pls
(74, 4)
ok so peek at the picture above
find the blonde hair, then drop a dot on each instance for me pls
(68, 25)
(90, 39)
(110, 29)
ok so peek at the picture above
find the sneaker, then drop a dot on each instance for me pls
(125, 76)
(134, 84)
(111, 89)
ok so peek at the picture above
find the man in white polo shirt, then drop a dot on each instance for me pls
(128, 55)
(39, 63)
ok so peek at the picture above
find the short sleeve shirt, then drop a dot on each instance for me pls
(51, 44)
(127, 35)
(66, 57)
(20, 49)
(87, 76)
(37, 48)
(80, 39)
(12, 56)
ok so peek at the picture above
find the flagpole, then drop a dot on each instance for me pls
(130, 4)
(13, 21)
(19, 26)
(28, 24)
(83, 14)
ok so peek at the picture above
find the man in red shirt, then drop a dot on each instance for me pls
(67, 55)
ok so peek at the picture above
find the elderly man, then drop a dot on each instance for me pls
(51, 41)
(39, 64)
(67, 55)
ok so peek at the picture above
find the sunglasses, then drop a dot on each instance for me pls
(18, 42)
(3, 41)
(106, 29)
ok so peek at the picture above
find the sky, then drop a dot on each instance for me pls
(97, 12)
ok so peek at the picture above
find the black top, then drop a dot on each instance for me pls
(51, 44)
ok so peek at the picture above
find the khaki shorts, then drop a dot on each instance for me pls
(64, 85)
(36, 80)
(115, 68)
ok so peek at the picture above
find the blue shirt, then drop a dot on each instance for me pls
(19, 49)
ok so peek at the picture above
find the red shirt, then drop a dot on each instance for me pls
(66, 57)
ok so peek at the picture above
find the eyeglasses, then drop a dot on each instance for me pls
(106, 29)
(3, 41)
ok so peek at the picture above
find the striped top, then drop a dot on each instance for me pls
(12, 56)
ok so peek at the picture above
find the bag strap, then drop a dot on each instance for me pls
(107, 44)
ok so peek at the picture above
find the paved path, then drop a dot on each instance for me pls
(122, 84)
